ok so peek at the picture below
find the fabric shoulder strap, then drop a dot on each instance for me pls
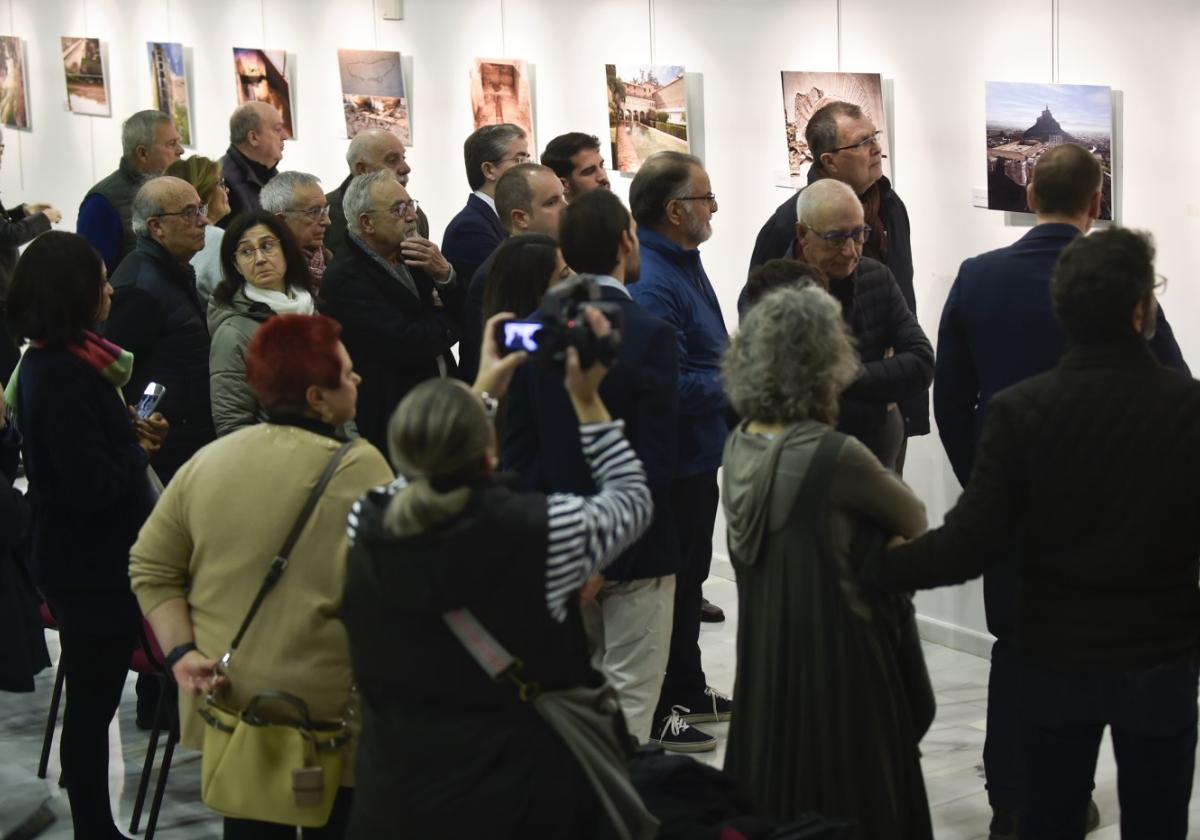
(485, 649)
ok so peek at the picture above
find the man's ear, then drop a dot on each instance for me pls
(489, 171)
(828, 162)
(360, 168)
(519, 220)
(801, 230)
(1030, 198)
(1094, 205)
(366, 223)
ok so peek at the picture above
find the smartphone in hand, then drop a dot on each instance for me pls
(151, 397)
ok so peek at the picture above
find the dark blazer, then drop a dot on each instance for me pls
(394, 337)
(998, 328)
(541, 440)
(88, 491)
(472, 338)
(879, 319)
(23, 653)
(471, 237)
(778, 234)
(157, 315)
(1092, 466)
(245, 180)
(335, 234)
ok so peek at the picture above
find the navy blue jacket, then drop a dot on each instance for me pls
(674, 287)
(998, 328)
(471, 237)
(541, 440)
(471, 344)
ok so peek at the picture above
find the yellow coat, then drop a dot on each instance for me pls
(211, 538)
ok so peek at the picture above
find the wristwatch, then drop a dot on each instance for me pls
(177, 653)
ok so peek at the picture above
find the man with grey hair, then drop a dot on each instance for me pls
(149, 144)
(400, 316)
(256, 135)
(897, 357)
(297, 199)
(477, 230)
(156, 315)
(672, 201)
(369, 151)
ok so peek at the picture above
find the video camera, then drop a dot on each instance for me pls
(562, 325)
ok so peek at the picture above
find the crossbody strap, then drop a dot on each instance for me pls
(280, 561)
(493, 657)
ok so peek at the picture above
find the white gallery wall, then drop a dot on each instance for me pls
(934, 56)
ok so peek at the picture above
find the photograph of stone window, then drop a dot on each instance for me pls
(500, 94)
(647, 112)
(83, 66)
(1024, 120)
(262, 76)
(168, 86)
(14, 96)
(805, 93)
(373, 93)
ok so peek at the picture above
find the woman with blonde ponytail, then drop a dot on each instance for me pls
(447, 751)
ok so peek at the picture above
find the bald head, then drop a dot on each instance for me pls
(824, 199)
(529, 199)
(168, 210)
(830, 233)
(376, 149)
(256, 130)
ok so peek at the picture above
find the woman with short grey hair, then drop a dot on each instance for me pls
(833, 672)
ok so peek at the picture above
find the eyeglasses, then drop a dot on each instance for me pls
(313, 213)
(399, 209)
(246, 253)
(873, 137)
(710, 198)
(191, 213)
(523, 157)
(838, 238)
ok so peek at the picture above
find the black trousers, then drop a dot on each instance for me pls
(95, 667)
(694, 502)
(335, 829)
(1152, 713)
(1002, 761)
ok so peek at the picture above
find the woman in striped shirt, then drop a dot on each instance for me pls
(446, 750)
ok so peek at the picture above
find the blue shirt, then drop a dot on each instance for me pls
(674, 287)
(100, 224)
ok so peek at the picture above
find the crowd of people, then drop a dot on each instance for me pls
(465, 506)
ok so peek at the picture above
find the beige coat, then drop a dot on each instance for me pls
(221, 520)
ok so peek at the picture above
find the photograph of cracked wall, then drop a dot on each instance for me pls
(262, 76)
(805, 93)
(1026, 120)
(373, 93)
(647, 112)
(500, 94)
(14, 96)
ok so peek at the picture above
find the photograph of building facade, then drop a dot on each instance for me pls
(373, 92)
(168, 86)
(1025, 120)
(84, 70)
(805, 93)
(14, 95)
(262, 76)
(500, 94)
(647, 112)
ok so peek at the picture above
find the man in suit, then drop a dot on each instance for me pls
(1093, 464)
(529, 199)
(998, 328)
(396, 298)
(629, 620)
(369, 151)
(476, 231)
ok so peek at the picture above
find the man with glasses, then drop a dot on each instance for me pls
(476, 231)
(297, 199)
(149, 144)
(369, 151)
(998, 328)
(397, 298)
(157, 315)
(897, 358)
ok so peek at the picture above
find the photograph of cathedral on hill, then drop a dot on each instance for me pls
(1025, 120)
(647, 112)
(806, 93)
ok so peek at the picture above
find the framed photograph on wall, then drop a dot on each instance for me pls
(262, 76)
(1025, 120)
(14, 91)
(500, 94)
(373, 93)
(168, 86)
(83, 66)
(805, 93)
(647, 112)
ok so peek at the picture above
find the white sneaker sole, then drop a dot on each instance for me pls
(689, 746)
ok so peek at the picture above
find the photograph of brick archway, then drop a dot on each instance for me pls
(647, 112)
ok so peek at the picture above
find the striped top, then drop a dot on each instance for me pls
(586, 533)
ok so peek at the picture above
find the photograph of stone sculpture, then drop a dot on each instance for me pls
(262, 76)
(84, 69)
(14, 97)
(168, 86)
(1024, 120)
(373, 93)
(500, 93)
(805, 93)
(647, 112)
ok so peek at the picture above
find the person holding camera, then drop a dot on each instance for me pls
(629, 620)
(447, 750)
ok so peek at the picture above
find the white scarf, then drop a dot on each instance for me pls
(293, 302)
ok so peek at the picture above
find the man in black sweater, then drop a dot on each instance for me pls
(1092, 466)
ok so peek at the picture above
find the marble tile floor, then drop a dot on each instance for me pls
(952, 749)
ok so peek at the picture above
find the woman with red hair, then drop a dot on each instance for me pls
(203, 553)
